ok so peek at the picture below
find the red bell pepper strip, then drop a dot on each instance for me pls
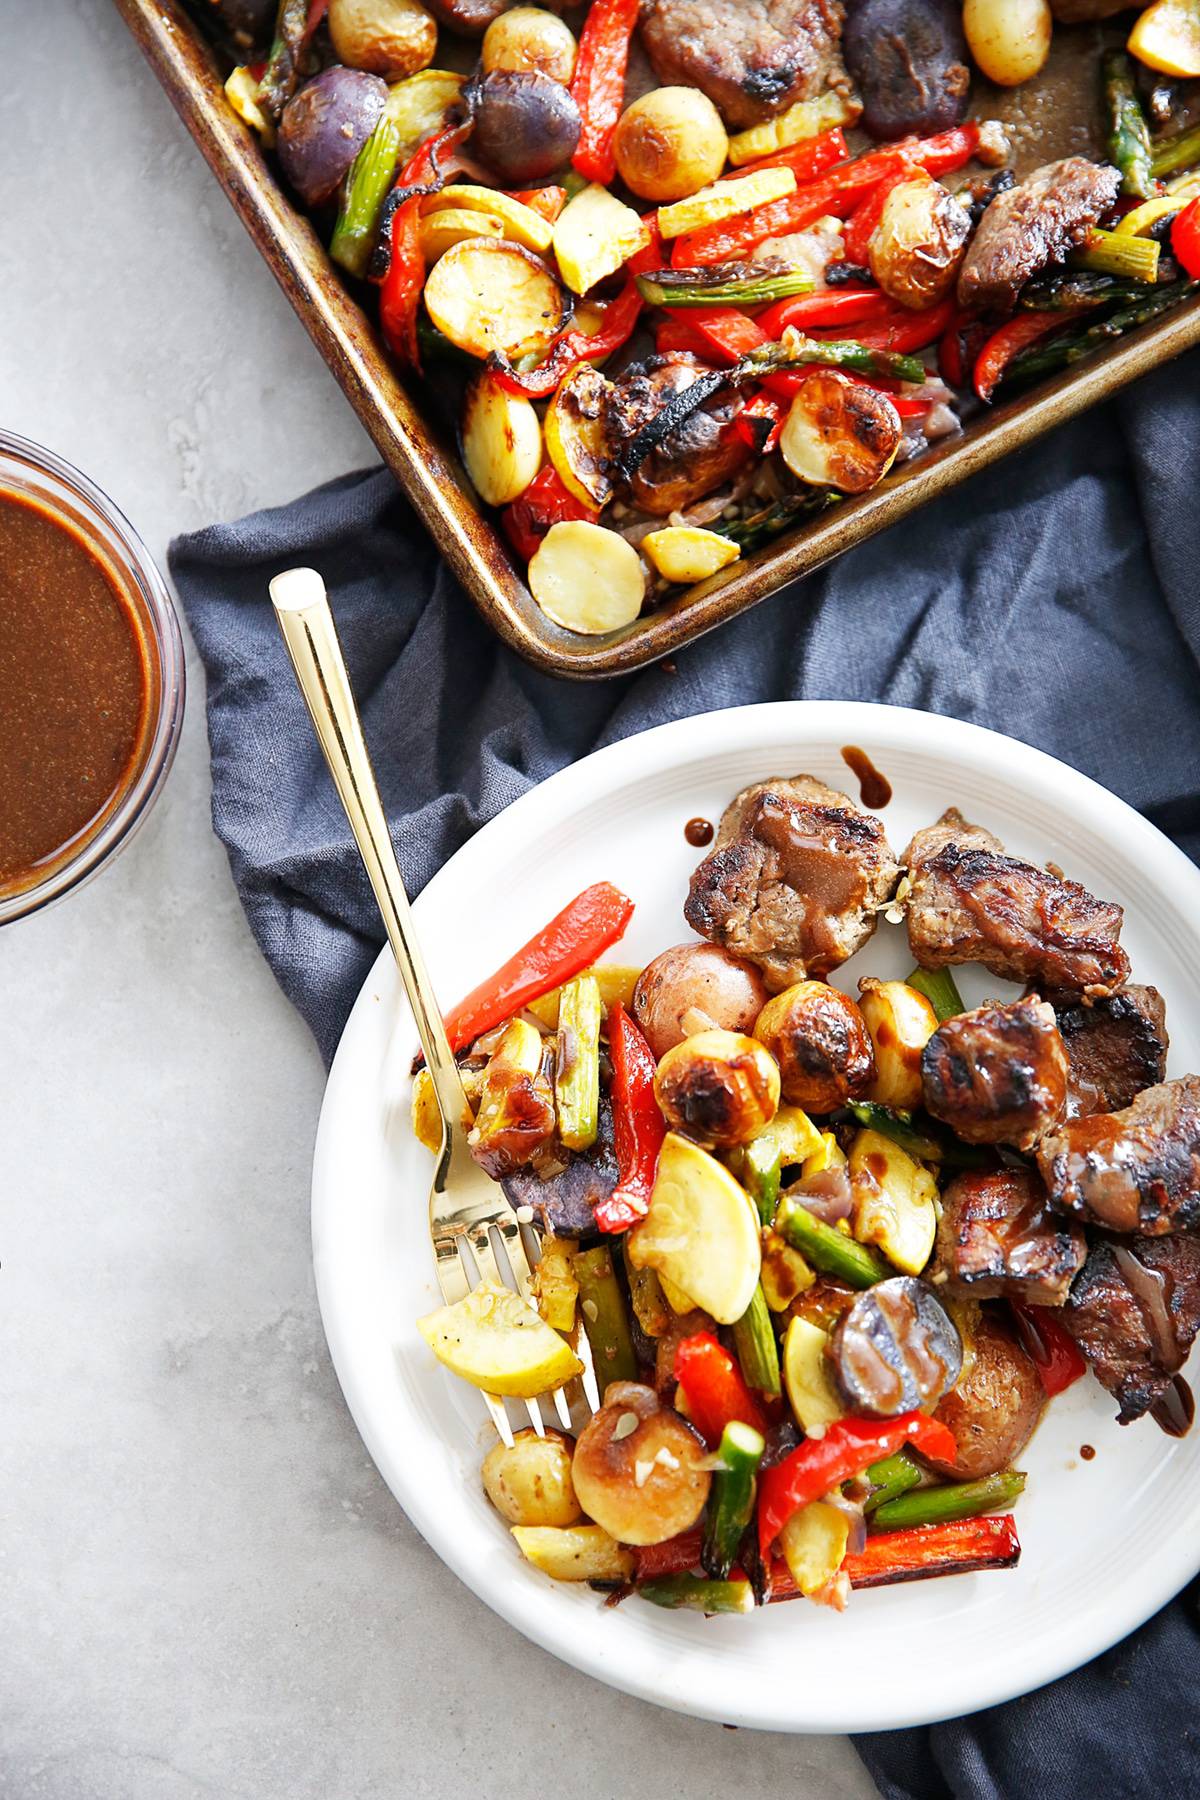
(1185, 239)
(714, 1388)
(725, 330)
(675, 1557)
(571, 347)
(958, 348)
(901, 331)
(638, 1124)
(1003, 345)
(1060, 1361)
(572, 941)
(924, 1551)
(863, 222)
(674, 333)
(785, 383)
(544, 503)
(760, 422)
(837, 306)
(598, 85)
(547, 202)
(400, 292)
(811, 157)
(848, 1447)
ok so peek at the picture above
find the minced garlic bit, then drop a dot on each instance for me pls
(628, 1422)
(665, 1459)
(642, 1472)
(591, 1309)
(524, 1215)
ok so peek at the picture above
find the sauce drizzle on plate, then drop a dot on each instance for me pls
(875, 790)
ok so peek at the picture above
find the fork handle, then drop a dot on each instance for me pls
(302, 609)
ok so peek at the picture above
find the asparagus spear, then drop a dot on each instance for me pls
(1077, 290)
(940, 989)
(1059, 352)
(958, 1500)
(701, 1595)
(826, 1249)
(1178, 152)
(577, 1065)
(758, 528)
(1128, 132)
(899, 1126)
(605, 1319)
(371, 175)
(891, 1478)
(731, 1501)
(754, 1341)
(666, 287)
(282, 72)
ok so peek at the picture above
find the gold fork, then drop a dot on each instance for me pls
(465, 1205)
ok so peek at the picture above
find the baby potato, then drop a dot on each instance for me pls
(919, 242)
(528, 37)
(636, 1468)
(392, 38)
(585, 577)
(819, 1038)
(840, 433)
(501, 441)
(1009, 39)
(901, 1022)
(529, 1482)
(670, 143)
(696, 982)
(719, 1087)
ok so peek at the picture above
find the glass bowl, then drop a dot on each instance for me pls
(67, 495)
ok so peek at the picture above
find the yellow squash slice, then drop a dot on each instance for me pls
(498, 1343)
(1167, 37)
(700, 1232)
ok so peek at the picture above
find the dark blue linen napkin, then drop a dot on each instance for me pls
(1056, 598)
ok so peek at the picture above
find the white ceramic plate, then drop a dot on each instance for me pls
(1105, 1542)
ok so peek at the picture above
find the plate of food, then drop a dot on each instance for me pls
(653, 307)
(860, 1139)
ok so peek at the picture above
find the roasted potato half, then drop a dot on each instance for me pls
(1009, 39)
(636, 1468)
(818, 1037)
(501, 440)
(901, 1022)
(840, 433)
(586, 578)
(696, 987)
(719, 1087)
(486, 295)
(529, 1481)
(921, 238)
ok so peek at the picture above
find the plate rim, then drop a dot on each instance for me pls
(844, 722)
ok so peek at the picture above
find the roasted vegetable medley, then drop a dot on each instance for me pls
(829, 1254)
(683, 308)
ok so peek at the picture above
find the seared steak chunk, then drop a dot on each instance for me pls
(998, 1238)
(997, 1075)
(970, 902)
(1031, 225)
(794, 880)
(1116, 1047)
(752, 58)
(1134, 1311)
(1135, 1170)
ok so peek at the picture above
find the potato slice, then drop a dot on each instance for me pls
(1167, 37)
(724, 200)
(440, 231)
(840, 433)
(575, 439)
(521, 223)
(587, 578)
(805, 119)
(894, 1201)
(686, 553)
(700, 1232)
(501, 440)
(806, 1377)
(488, 295)
(574, 1552)
(498, 1343)
(594, 235)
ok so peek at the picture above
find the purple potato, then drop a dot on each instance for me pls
(526, 125)
(909, 59)
(324, 127)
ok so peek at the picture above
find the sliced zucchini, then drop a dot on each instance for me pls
(521, 223)
(487, 294)
(700, 1232)
(840, 433)
(575, 437)
(595, 234)
(440, 231)
(814, 1545)
(785, 1273)
(574, 1552)
(894, 1201)
(724, 200)
(687, 553)
(501, 439)
(805, 119)
(1167, 37)
(806, 1377)
(498, 1343)
(587, 578)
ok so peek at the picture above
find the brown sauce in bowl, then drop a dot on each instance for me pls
(75, 689)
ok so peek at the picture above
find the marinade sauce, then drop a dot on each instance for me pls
(74, 691)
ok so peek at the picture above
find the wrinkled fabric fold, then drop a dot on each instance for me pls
(1055, 597)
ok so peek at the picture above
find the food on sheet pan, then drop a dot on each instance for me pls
(829, 1257)
(687, 272)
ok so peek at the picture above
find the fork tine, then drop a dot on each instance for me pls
(562, 1408)
(496, 1407)
(453, 1277)
(489, 1270)
(510, 1231)
(583, 1350)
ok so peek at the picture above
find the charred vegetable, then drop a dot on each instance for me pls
(919, 243)
(895, 1350)
(901, 1022)
(515, 1116)
(720, 1087)
(820, 1040)
(729, 284)
(324, 127)
(840, 434)
(414, 110)
(526, 124)
(575, 436)
(605, 1318)
(1068, 347)
(909, 61)
(696, 987)
(636, 1468)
